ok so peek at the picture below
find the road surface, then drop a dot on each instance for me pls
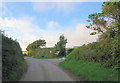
(44, 70)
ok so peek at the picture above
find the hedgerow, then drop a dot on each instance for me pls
(105, 51)
(42, 52)
(13, 64)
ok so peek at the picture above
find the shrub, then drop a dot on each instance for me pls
(42, 52)
(69, 50)
(105, 52)
(13, 64)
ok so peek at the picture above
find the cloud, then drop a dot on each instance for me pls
(23, 29)
(26, 40)
(79, 36)
(26, 32)
(53, 24)
(55, 7)
(76, 36)
(21, 25)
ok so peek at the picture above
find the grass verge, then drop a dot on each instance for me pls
(90, 71)
(46, 57)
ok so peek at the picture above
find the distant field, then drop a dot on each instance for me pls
(90, 71)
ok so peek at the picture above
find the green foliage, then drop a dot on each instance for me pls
(105, 52)
(36, 44)
(61, 46)
(90, 71)
(111, 10)
(46, 52)
(46, 57)
(107, 20)
(107, 49)
(13, 64)
(69, 50)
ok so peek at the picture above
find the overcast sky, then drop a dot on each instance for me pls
(29, 21)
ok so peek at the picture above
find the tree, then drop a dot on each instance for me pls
(107, 20)
(61, 46)
(108, 23)
(36, 44)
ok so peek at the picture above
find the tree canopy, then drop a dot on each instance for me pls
(108, 24)
(107, 20)
(61, 45)
(36, 44)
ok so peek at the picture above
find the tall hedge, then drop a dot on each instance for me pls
(13, 63)
(106, 51)
(42, 52)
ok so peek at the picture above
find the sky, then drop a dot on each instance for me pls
(30, 21)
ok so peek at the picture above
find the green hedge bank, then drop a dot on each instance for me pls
(46, 52)
(105, 52)
(97, 61)
(13, 63)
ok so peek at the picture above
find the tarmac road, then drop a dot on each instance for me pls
(44, 70)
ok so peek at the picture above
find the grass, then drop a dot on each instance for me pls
(90, 71)
(46, 57)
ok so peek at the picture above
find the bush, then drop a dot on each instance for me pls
(42, 52)
(105, 51)
(69, 50)
(13, 64)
